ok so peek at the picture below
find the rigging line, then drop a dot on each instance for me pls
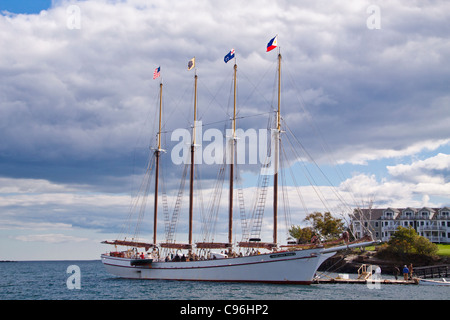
(214, 98)
(142, 207)
(333, 188)
(126, 228)
(164, 201)
(244, 226)
(308, 175)
(297, 188)
(177, 206)
(206, 217)
(285, 191)
(214, 202)
(176, 107)
(199, 190)
(255, 87)
(326, 148)
(258, 206)
(222, 121)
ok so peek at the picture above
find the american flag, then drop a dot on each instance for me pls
(157, 73)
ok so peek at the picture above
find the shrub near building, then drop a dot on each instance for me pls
(405, 243)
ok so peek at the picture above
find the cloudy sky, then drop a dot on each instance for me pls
(366, 88)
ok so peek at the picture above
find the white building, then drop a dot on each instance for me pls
(432, 223)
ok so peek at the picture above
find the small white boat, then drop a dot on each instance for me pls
(430, 282)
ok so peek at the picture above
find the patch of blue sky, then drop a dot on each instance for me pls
(24, 6)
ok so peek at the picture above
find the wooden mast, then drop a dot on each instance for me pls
(191, 182)
(232, 153)
(157, 154)
(277, 140)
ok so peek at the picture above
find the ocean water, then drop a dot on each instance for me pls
(50, 280)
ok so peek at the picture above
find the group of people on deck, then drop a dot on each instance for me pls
(406, 271)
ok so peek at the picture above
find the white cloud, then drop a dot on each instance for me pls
(78, 107)
(24, 225)
(21, 186)
(50, 238)
(417, 184)
(365, 154)
(423, 168)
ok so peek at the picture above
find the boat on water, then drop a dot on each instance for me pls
(266, 262)
(433, 282)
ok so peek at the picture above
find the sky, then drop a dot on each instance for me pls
(365, 90)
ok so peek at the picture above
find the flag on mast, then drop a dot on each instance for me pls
(273, 43)
(229, 56)
(191, 63)
(156, 73)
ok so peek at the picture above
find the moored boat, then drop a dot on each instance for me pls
(433, 282)
(275, 263)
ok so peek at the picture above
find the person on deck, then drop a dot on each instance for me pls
(411, 271)
(396, 273)
(405, 272)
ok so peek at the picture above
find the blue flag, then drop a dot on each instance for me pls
(229, 56)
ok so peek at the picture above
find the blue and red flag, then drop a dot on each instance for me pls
(157, 73)
(229, 56)
(272, 44)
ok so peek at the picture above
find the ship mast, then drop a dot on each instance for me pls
(157, 155)
(232, 157)
(277, 149)
(191, 183)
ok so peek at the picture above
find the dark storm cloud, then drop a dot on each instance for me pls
(77, 104)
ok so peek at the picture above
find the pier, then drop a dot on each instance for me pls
(367, 274)
(438, 271)
(365, 281)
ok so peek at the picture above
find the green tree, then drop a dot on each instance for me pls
(325, 225)
(303, 235)
(406, 241)
(402, 240)
(425, 246)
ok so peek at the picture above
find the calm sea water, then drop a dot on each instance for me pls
(47, 280)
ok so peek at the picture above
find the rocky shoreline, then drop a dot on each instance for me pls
(349, 262)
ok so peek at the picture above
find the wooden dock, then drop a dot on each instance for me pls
(437, 271)
(365, 281)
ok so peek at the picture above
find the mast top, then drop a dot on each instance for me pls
(279, 92)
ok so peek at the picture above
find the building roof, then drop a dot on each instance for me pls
(376, 214)
(368, 214)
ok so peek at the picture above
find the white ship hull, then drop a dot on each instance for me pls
(291, 267)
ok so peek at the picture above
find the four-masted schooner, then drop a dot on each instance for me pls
(288, 264)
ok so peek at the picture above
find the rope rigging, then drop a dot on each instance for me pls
(291, 154)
